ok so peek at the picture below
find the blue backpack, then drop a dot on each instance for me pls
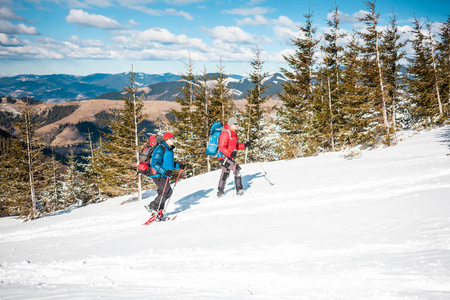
(213, 145)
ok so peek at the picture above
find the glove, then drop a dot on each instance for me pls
(248, 144)
(182, 166)
(233, 154)
(168, 173)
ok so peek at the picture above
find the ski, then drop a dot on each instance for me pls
(153, 219)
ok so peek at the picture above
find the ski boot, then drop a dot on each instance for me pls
(151, 210)
(160, 217)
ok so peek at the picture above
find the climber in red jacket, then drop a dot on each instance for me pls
(228, 145)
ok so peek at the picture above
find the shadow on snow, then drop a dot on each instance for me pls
(188, 201)
(445, 137)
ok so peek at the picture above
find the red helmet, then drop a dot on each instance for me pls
(167, 136)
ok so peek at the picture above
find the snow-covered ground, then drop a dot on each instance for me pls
(377, 227)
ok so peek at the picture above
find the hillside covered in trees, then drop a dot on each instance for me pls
(343, 91)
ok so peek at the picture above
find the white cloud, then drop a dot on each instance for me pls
(346, 18)
(19, 52)
(174, 12)
(286, 22)
(162, 35)
(233, 34)
(183, 2)
(256, 21)
(34, 51)
(284, 28)
(132, 23)
(162, 54)
(7, 40)
(248, 11)
(9, 28)
(137, 5)
(80, 17)
(145, 10)
(156, 45)
(285, 34)
(278, 57)
(157, 38)
(85, 43)
(7, 13)
(98, 3)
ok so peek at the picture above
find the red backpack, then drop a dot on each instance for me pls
(145, 156)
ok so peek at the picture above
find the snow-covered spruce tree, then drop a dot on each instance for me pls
(253, 113)
(54, 198)
(222, 106)
(71, 181)
(421, 80)
(392, 56)
(432, 46)
(97, 171)
(31, 176)
(91, 175)
(186, 120)
(330, 78)
(122, 144)
(202, 103)
(443, 59)
(296, 116)
(10, 179)
(356, 121)
(373, 77)
(269, 140)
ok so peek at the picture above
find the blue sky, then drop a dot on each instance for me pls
(107, 36)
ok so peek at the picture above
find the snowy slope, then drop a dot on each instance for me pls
(377, 227)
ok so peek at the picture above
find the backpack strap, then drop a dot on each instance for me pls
(164, 148)
(219, 153)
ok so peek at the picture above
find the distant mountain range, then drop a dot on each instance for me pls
(63, 87)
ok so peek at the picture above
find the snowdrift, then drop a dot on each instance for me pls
(377, 227)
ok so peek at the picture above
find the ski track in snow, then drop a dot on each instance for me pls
(377, 227)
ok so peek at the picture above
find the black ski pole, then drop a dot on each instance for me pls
(265, 173)
(162, 195)
(173, 189)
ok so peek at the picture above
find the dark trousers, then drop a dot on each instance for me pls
(163, 194)
(229, 165)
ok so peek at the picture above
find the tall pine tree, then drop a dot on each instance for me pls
(122, 144)
(296, 116)
(222, 106)
(432, 46)
(331, 107)
(392, 56)
(186, 120)
(205, 119)
(421, 79)
(356, 121)
(254, 111)
(31, 172)
(97, 171)
(373, 74)
(202, 104)
(444, 65)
